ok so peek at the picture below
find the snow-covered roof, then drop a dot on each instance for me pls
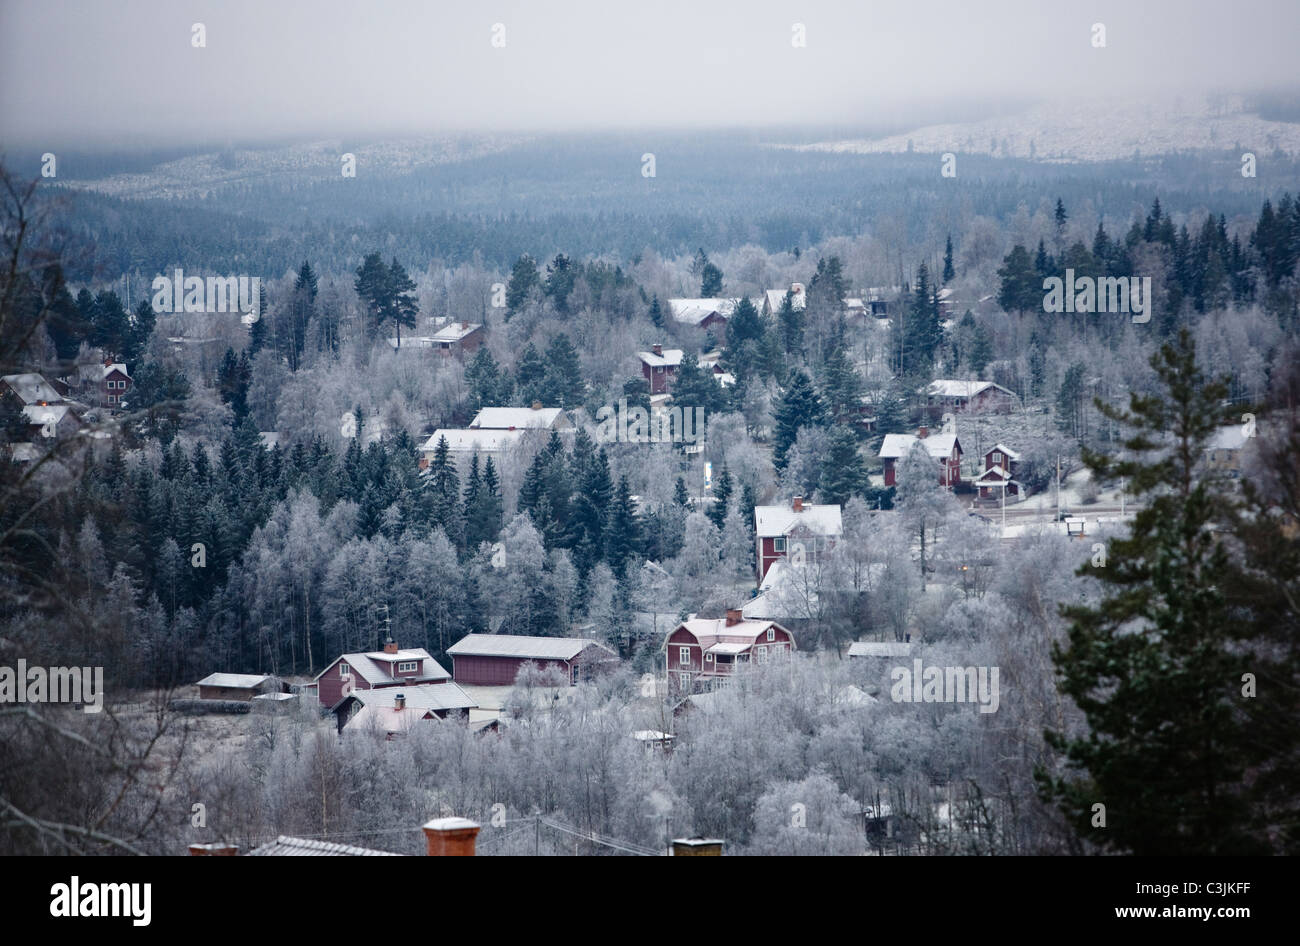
(241, 681)
(880, 649)
(285, 846)
(961, 389)
(1003, 448)
(729, 648)
(670, 358)
(115, 366)
(1232, 437)
(939, 446)
(996, 476)
(780, 520)
(43, 414)
(711, 632)
(467, 441)
(424, 696)
(776, 298)
(413, 341)
(31, 388)
(652, 735)
(370, 666)
(455, 331)
(522, 418)
(695, 311)
(527, 648)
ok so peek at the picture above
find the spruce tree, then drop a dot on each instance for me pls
(948, 271)
(623, 542)
(1156, 664)
(799, 406)
(721, 498)
(844, 474)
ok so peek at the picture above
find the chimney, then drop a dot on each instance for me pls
(697, 847)
(922, 432)
(464, 323)
(537, 405)
(734, 616)
(399, 701)
(658, 349)
(797, 504)
(451, 837)
(796, 288)
(390, 646)
(215, 849)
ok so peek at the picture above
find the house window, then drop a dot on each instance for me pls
(684, 656)
(771, 633)
(997, 458)
(778, 544)
(762, 653)
(685, 680)
(708, 658)
(407, 666)
(344, 670)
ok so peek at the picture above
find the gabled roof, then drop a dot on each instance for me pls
(695, 311)
(371, 666)
(995, 473)
(939, 446)
(521, 418)
(775, 298)
(526, 648)
(780, 520)
(43, 414)
(671, 358)
(424, 696)
(714, 632)
(467, 441)
(1231, 437)
(963, 389)
(115, 366)
(31, 388)
(242, 681)
(1002, 448)
(285, 846)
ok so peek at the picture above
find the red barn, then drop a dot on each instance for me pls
(701, 652)
(390, 667)
(495, 659)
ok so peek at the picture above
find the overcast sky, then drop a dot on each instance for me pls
(85, 73)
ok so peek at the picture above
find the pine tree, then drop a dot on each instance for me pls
(402, 305)
(680, 496)
(1156, 664)
(656, 313)
(524, 284)
(562, 384)
(623, 542)
(841, 385)
(529, 372)
(1022, 286)
(844, 474)
(790, 320)
(948, 271)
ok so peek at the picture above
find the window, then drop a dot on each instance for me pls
(685, 680)
(684, 656)
(997, 458)
(771, 633)
(778, 544)
(408, 666)
(762, 653)
(344, 670)
(708, 658)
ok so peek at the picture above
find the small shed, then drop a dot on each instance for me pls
(237, 686)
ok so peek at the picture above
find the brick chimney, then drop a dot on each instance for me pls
(464, 323)
(215, 849)
(451, 837)
(399, 701)
(697, 847)
(658, 349)
(797, 504)
(390, 646)
(922, 432)
(796, 288)
(734, 616)
(537, 405)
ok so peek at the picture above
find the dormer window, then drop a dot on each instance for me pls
(408, 666)
(771, 633)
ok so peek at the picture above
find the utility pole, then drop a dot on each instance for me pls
(1058, 487)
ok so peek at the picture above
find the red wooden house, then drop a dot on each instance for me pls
(659, 367)
(390, 667)
(495, 659)
(799, 527)
(1000, 465)
(700, 653)
(944, 449)
(115, 383)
